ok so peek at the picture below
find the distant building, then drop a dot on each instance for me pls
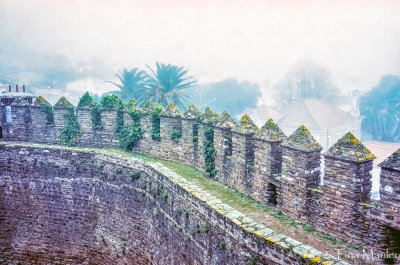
(7, 97)
(325, 122)
(260, 114)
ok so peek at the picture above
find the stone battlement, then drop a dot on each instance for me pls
(274, 169)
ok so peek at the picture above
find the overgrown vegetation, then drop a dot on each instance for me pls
(154, 112)
(129, 134)
(176, 135)
(87, 101)
(209, 152)
(72, 130)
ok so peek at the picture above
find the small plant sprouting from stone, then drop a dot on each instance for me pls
(280, 216)
(180, 229)
(294, 224)
(308, 228)
(198, 229)
(206, 227)
(195, 139)
(135, 175)
(186, 213)
(253, 261)
(222, 244)
(100, 166)
(354, 246)
(165, 196)
(179, 211)
(119, 170)
(330, 238)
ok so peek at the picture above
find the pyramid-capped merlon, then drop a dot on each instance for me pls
(192, 113)
(63, 103)
(20, 101)
(301, 139)
(270, 131)
(246, 125)
(392, 162)
(171, 111)
(225, 121)
(40, 101)
(350, 148)
(210, 116)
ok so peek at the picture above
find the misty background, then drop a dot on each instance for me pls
(243, 54)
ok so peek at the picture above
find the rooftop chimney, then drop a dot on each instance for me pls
(23, 88)
(16, 88)
(9, 88)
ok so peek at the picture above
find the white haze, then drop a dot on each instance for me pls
(357, 41)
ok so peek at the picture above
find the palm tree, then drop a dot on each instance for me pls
(168, 84)
(133, 83)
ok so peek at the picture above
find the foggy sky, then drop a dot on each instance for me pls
(357, 41)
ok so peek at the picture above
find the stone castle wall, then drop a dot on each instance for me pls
(280, 171)
(63, 205)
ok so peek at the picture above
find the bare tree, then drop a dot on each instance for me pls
(307, 80)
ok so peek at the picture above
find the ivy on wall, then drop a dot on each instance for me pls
(87, 101)
(176, 135)
(154, 110)
(129, 134)
(69, 135)
(209, 152)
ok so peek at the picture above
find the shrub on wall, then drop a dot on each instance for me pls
(176, 135)
(69, 135)
(87, 101)
(209, 152)
(154, 110)
(129, 134)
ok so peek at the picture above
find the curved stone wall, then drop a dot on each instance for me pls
(61, 205)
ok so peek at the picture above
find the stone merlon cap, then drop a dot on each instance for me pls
(270, 131)
(192, 112)
(301, 139)
(209, 116)
(63, 103)
(349, 148)
(392, 162)
(20, 101)
(225, 121)
(171, 111)
(246, 125)
(40, 101)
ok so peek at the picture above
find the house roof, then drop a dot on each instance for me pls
(315, 114)
(261, 114)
